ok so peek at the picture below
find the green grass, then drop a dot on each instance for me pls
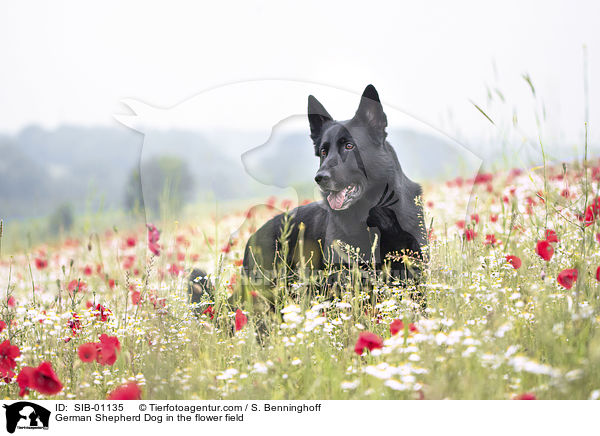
(488, 331)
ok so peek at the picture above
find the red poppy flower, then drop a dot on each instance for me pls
(74, 324)
(475, 217)
(42, 379)
(11, 302)
(367, 340)
(131, 241)
(597, 278)
(551, 236)
(483, 178)
(240, 320)
(544, 250)
(2, 326)
(45, 380)
(460, 224)
(567, 277)
(591, 213)
(102, 312)
(128, 261)
(41, 263)
(128, 391)
(491, 239)
(175, 270)
(106, 354)
(182, 240)
(107, 350)
(8, 353)
(271, 202)
(514, 261)
(135, 298)
(470, 234)
(526, 396)
(155, 300)
(25, 379)
(493, 218)
(87, 270)
(111, 283)
(209, 311)
(87, 352)
(515, 172)
(112, 341)
(153, 236)
(397, 325)
(77, 286)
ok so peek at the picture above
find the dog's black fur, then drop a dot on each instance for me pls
(383, 200)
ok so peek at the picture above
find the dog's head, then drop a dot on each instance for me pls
(353, 153)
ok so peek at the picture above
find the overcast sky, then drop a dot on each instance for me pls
(72, 62)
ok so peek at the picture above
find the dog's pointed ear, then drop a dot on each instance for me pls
(370, 113)
(317, 117)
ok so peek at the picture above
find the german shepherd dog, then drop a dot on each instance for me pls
(365, 193)
(367, 200)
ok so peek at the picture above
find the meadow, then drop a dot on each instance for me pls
(511, 308)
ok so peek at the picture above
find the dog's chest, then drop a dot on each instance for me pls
(357, 236)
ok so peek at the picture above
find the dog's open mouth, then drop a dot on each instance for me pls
(343, 199)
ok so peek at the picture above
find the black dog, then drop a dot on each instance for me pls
(365, 193)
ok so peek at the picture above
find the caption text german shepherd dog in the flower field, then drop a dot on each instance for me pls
(367, 202)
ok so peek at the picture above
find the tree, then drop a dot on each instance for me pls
(62, 219)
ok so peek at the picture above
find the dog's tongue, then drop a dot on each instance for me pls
(336, 200)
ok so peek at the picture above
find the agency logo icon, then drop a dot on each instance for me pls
(26, 415)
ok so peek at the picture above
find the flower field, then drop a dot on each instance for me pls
(512, 308)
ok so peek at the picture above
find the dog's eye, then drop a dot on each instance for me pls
(349, 146)
(323, 152)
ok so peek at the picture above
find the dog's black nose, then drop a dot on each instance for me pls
(322, 177)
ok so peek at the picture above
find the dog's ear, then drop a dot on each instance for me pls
(317, 116)
(370, 113)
